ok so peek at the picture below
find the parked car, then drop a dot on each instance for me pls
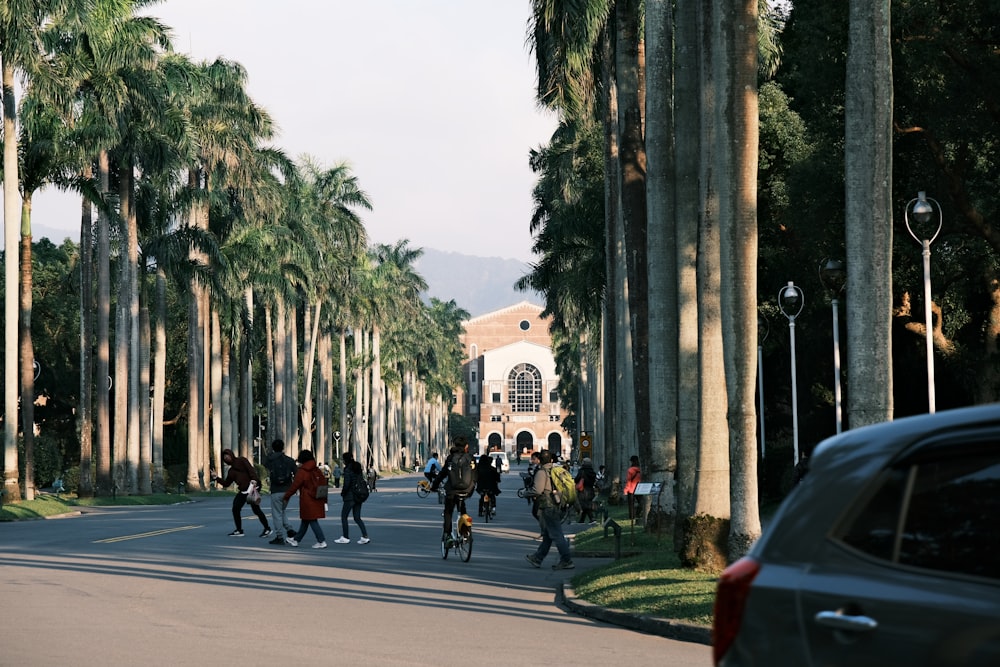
(504, 461)
(886, 553)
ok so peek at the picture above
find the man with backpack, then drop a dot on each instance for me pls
(281, 470)
(549, 516)
(459, 476)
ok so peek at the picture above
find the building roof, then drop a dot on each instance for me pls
(522, 306)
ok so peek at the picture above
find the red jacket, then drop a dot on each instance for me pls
(309, 507)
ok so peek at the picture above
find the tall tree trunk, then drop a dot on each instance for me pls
(662, 258)
(145, 430)
(85, 424)
(868, 99)
(11, 224)
(281, 388)
(344, 441)
(217, 403)
(632, 182)
(135, 365)
(102, 369)
(159, 380)
(26, 354)
(736, 86)
(687, 151)
(120, 389)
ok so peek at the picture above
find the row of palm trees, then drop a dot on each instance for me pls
(646, 226)
(173, 156)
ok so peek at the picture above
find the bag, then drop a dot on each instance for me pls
(563, 486)
(319, 489)
(284, 471)
(253, 495)
(360, 489)
(579, 486)
(462, 474)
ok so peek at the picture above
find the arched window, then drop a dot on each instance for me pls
(524, 389)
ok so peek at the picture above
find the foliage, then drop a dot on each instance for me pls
(462, 425)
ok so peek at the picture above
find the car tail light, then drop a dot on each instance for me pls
(730, 601)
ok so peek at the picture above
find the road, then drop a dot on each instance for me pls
(165, 585)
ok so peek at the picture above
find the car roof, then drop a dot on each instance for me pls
(842, 466)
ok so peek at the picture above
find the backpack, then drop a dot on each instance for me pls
(319, 488)
(360, 489)
(461, 473)
(284, 470)
(563, 486)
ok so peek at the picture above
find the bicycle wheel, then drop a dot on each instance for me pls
(444, 549)
(464, 547)
(487, 508)
(423, 490)
(521, 492)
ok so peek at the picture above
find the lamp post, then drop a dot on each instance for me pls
(833, 276)
(790, 301)
(763, 328)
(923, 213)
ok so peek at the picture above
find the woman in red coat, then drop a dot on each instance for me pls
(311, 510)
(632, 479)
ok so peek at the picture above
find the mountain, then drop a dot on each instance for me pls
(478, 284)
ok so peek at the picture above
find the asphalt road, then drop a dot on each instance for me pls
(165, 585)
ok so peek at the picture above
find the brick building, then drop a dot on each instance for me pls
(510, 382)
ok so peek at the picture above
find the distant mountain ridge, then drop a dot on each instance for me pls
(480, 285)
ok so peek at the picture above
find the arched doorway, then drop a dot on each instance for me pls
(494, 442)
(524, 442)
(555, 444)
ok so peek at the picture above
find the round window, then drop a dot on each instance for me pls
(525, 325)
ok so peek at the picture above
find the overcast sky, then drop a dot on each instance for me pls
(430, 101)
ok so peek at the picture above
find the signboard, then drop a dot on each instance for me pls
(647, 489)
(586, 444)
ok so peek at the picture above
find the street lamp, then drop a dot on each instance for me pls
(763, 328)
(833, 276)
(790, 301)
(923, 213)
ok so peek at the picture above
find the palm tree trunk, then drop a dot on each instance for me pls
(159, 380)
(145, 431)
(120, 434)
(868, 99)
(26, 354)
(102, 371)
(11, 219)
(85, 426)
(135, 366)
(736, 91)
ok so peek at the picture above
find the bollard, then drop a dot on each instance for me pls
(180, 488)
(618, 536)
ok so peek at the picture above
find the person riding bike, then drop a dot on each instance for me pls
(432, 468)
(455, 493)
(487, 481)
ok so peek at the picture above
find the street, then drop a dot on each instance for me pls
(165, 585)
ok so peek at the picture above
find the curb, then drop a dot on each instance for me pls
(685, 632)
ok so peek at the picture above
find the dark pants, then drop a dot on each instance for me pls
(239, 500)
(451, 501)
(352, 507)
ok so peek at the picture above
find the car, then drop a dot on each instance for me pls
(887, 552)
(504, 461)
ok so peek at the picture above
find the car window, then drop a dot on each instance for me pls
(937, 512)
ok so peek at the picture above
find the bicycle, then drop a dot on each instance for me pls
(489, 506)
(423, 488)
(461, 537)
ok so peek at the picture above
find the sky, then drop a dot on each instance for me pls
(431, 103)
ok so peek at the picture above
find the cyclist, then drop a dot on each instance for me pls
(458, 459)
(487, 481)
(432, 468)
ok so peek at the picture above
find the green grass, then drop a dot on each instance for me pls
(647, 579)
(46, 505)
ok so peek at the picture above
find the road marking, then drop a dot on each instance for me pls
(153, 533)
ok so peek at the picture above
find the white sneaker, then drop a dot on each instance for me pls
(319, 545)
(342, 540)
(291, 541)
(364, 540)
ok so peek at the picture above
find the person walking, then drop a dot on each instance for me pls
(337, 472)
(585, 480)
(281, 469)
(549, 517)
(632, 479)
(242, 473)
(353, 474)
(308, 478)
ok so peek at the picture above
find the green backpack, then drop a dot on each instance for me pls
(563, 486)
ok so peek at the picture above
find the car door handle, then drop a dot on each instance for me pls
(840, 621)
